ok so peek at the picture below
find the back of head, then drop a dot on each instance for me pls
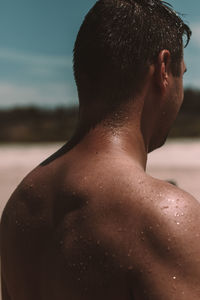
(117, 42)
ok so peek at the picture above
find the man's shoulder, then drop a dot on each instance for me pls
(172, 205)
(155, 229)
(153, 202)
(151, 211)
(27, 206)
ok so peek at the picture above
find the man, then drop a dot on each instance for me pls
(89, 223)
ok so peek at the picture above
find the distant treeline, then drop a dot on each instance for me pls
(39, 125)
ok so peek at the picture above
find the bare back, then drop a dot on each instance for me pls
(95, 226)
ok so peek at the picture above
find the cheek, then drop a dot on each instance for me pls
(178, 95)
(181, 95)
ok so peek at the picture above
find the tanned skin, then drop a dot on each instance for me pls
(89, 223)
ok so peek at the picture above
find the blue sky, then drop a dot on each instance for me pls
(36, 43)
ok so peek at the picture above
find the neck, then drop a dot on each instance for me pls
(127, 129)
(119, 140)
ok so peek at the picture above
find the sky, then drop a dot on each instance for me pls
(36, 45)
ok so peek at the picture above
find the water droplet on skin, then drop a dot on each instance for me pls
(174, 287)
(165, 207)
(170, 200)
(177, 215)
(130, 251)
(140, 181)
(17, 222)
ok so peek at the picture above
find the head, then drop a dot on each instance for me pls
(117, 43)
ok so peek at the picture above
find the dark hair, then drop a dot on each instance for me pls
(117, 42)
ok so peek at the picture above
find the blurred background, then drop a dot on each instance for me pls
(38, 98)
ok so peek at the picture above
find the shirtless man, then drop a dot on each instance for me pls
(89, 223)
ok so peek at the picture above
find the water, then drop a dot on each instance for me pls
(177, 160)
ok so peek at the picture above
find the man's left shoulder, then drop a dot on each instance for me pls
(176, 216)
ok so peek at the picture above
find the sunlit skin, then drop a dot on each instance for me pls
(89, 223)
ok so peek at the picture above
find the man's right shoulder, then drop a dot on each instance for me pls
(26, 206)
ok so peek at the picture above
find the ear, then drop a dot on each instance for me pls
(163, 69)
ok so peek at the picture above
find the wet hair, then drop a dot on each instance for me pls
(117, 42)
